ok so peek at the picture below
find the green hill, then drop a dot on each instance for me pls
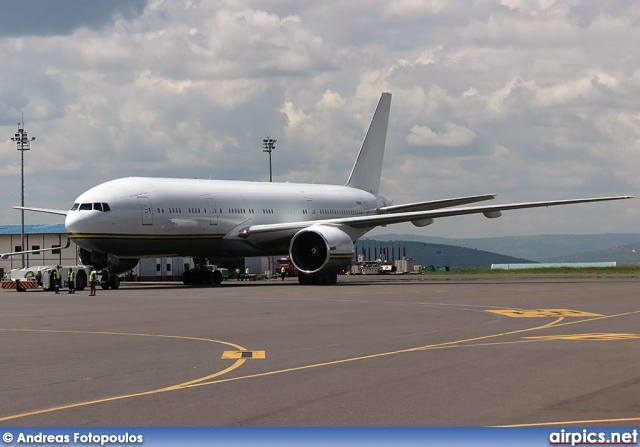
(437, 255)
(541, 248)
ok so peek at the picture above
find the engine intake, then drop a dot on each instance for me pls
(321, 250)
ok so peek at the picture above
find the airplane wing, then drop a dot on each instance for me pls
(434, 204)
(41, 210)
(40, 250)
(421, 218)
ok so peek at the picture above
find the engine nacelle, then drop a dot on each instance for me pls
(321, 250)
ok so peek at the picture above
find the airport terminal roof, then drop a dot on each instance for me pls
(33, 229)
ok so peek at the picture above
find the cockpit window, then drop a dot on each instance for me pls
(98, 206)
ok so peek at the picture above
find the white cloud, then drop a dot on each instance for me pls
(452, 136)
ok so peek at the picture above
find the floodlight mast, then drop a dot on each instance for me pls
(269, 144)
(24, 143)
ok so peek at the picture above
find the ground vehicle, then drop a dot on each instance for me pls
(42, 276)
(290, 269)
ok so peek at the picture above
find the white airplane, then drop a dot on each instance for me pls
(120, 221)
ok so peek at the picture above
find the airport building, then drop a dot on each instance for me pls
(43, 236)
(36, 237)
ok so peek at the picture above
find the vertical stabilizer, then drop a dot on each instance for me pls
(367, 169)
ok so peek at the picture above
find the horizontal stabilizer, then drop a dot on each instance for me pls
(41, 210)
(39, 250)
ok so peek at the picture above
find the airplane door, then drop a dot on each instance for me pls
(147, 213)
(311, 211)
(213, 211)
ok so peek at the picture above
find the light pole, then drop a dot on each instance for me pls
(269, 144)
(23, 142)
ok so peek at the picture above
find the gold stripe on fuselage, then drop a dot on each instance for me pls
(147, 236)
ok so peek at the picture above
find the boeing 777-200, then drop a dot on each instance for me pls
(120, 221)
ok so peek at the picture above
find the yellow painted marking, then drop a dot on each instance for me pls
(594, 336)
(561, 423)
(24, 284)
(539, 313)
(243, 355)
(202, 382)
(450, 344)
(178, 386)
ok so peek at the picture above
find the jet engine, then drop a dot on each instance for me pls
(321, 251)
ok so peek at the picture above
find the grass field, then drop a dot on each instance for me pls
(626, 269)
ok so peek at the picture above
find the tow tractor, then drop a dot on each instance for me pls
(42, 277)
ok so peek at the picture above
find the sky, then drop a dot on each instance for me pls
(526, 99)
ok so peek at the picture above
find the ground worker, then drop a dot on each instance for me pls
(56, 278)
(246, 273)
(92, 283)
(237, 274)
(283, 272)
(72, 279)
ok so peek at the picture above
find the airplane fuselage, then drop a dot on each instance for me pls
(142, 217)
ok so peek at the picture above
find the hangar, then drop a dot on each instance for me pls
(35, 237)
(43, 236)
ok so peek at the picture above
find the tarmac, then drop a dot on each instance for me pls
(523, 350)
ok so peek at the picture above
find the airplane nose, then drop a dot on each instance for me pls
(70, 222)
(80, 226)
(77, 222)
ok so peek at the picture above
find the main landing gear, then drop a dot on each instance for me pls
(202, 274)
(305, 279)
(108, 280)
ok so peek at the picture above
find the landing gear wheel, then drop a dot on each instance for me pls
(304, 279)
(81, 280)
